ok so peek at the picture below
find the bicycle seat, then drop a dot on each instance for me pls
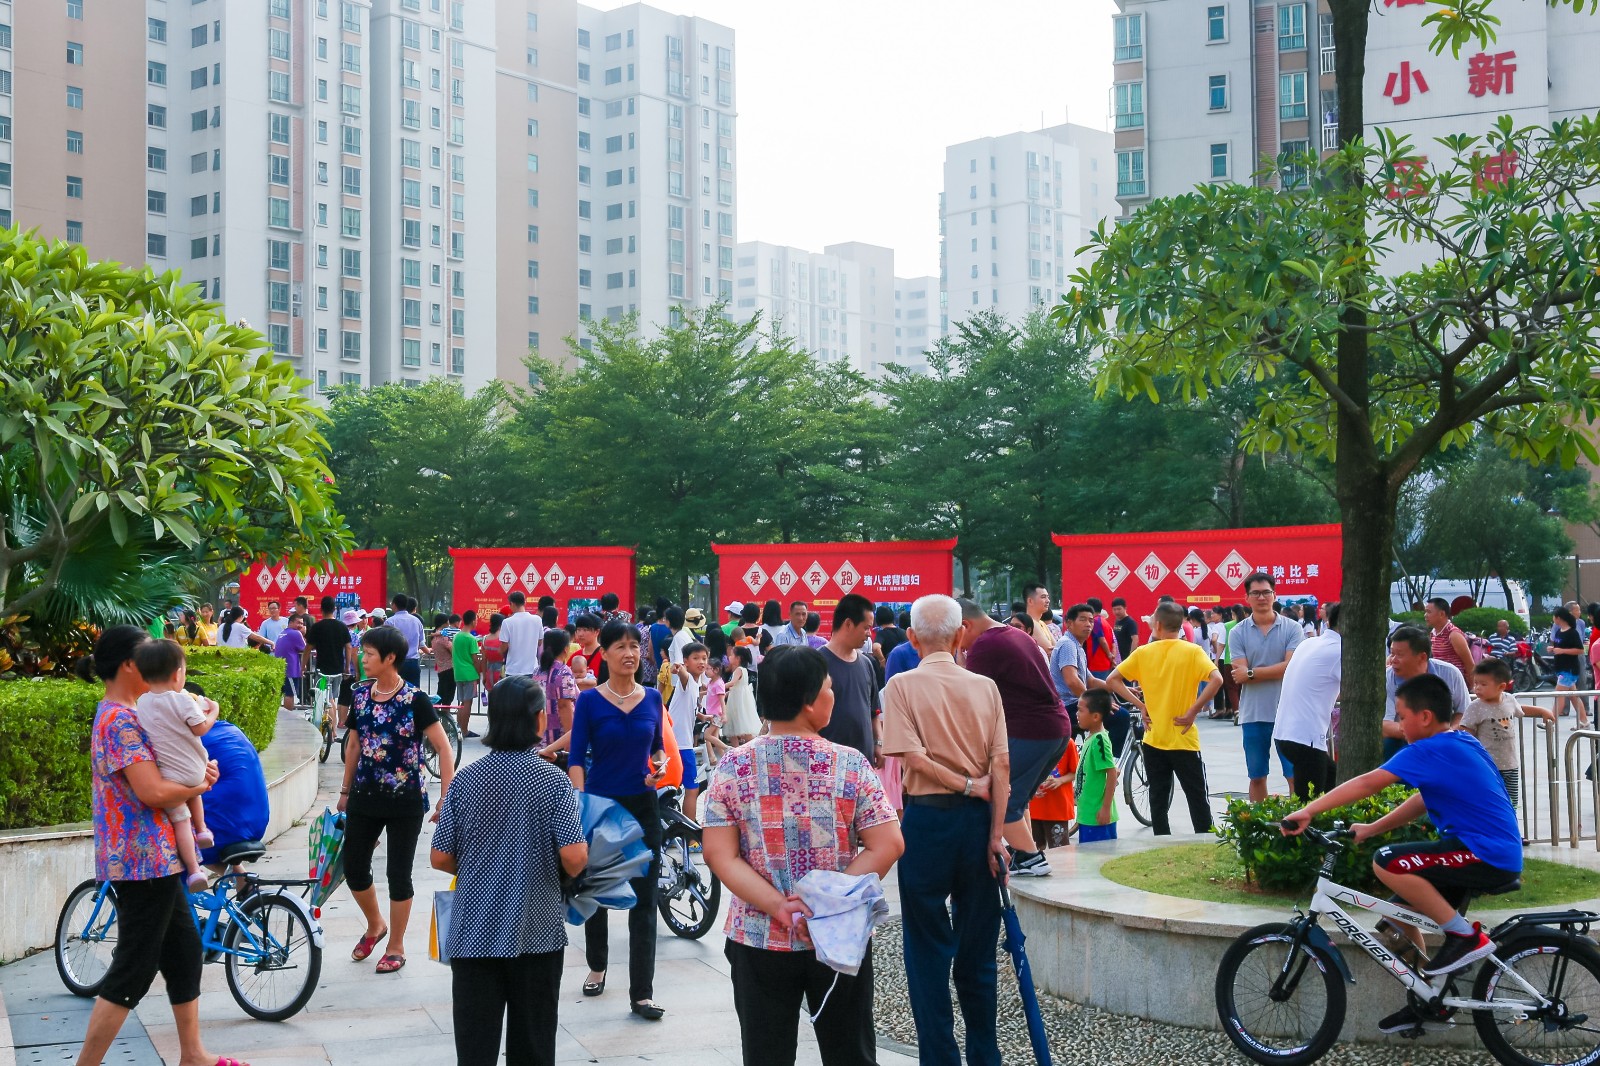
(241, 851)
(1501, 889)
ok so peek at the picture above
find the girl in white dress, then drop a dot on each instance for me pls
(741, 723)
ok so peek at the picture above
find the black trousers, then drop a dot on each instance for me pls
(519, 994)
(361, 840)
(1161, 766)
(641, 919)
(447, 685)
(1312, 768)
(768, 988)
(155, 934)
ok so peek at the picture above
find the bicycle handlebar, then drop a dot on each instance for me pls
(1327, 837)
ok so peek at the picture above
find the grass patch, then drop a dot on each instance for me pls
(1212, 872)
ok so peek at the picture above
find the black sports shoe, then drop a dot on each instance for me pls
(1029, 864)
(1459, 951)
(1403, 1020)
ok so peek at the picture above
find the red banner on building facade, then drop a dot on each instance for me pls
(360, 580)
(1202, 567)
(576, 577)
(891, 572)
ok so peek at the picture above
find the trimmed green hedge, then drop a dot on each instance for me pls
(1484, 620)
(44, 760)
(1411, 618)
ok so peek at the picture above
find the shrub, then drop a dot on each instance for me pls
(1483, 620)
(1411, 618)
(44, 760)
(1541, 621)
(1280, 863)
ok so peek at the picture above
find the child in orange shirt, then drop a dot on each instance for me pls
(1052, 808)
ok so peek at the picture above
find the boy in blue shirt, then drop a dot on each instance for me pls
(1462, 792)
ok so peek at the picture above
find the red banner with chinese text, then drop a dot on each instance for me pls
(360, 580)
(1200, 567)
(576, 577)
(885, 572)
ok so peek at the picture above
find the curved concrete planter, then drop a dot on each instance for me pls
(38, 867)
(1101, 944)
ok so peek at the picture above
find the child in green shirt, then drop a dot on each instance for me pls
(1096, 786)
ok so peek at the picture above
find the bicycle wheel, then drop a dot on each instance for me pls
(686, 895)
(86, 937)
(452, 732)
(272, 961)
(1565, 972)
(1291, 1027)
(1135, 783)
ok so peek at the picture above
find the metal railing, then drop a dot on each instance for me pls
(1582, 780)
(1551, 808)
(1328, 60)
(1330, 137)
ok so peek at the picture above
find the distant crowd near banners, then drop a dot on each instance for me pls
(886, 572)
(360, 580)
(576, 577)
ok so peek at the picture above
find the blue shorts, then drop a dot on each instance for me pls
(1031, 763)
(691, 772)
(1570, 680)
(1089, 834)
(1258, 751)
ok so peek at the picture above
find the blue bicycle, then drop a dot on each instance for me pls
(268, 940)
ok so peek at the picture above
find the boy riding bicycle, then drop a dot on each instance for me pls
(1463, 794)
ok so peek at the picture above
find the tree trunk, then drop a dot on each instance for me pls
(1505, 587)
(1368, 531)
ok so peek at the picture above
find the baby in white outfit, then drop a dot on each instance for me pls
(175, 721)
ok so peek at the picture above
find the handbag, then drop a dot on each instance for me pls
(326, 855)
(444, 905)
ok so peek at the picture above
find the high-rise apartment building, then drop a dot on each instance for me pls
(355, 177)
(1232, 91)
(1014, 212)
(916, 320)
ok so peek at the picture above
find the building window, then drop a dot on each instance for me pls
(75, 142)
(350, 349)
(155, 29)
(74, 230)
(1219, 160)
(1292, 95)
(350, 140)
(278, 44)
(1129, 101)
(1130, 173)
(350, 303)
(278, 212)
(75, 53)
(155, 116)
(410, 191)
(277, 170)
(410, 353)
(1292, 164)
(410, 152)
(154, 73)
(350, 57)
(349, 222)
(155, 202)
(350, 99)
(1219, 92)
(277, 127)
(278, 296)
(197, 36)
(197, 206)
(1216, 23)
(411, 114)
(350, 180)
(277, 255)
(155, 159)
(350, 262)
(410, 233)
(277, 85)
(1291, 27)
(155, 245)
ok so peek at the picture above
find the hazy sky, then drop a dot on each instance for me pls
(846, 106)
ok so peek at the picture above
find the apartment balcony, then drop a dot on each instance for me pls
(1327, 60)
(1330, 137)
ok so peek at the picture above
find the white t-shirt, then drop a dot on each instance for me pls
(686, 702)
(1310, 689)
(522, 633)
(680, 640)
(238, 637)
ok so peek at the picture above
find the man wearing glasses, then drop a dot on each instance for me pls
(1259, 649)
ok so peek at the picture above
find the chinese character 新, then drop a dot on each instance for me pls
(1497, 169)
(1408, 178)
(1489, 73)
(1398, 87)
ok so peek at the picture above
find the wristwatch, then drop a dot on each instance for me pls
(1249, 673)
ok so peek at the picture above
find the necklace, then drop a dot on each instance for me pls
(380, 698)
(620, 697)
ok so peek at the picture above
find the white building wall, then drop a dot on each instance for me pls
(916, 311)
(811, 298)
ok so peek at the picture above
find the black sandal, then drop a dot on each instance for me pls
(594, 988)
(649, 1010)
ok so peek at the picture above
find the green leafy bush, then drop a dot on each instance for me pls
(1483, 620)
(1280, 863)
(1410, 618)
(1541, 621)
(44, 761)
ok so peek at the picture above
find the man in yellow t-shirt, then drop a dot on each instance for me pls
(1178, 679)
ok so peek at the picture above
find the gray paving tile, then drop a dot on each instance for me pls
(123, 1052)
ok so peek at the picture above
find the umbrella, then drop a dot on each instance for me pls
(617, 854)
(1013, 943)
(845, 908)
(327, 855)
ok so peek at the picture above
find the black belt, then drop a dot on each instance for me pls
(943, 799)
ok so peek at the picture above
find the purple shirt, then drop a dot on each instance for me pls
(816, 641)
(132, 842)
(1012, 660)
(289, 647)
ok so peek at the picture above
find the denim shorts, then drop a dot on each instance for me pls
(1258, 751)
(1031, 763)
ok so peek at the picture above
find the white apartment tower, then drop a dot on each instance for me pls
(811, 298)
(916, 321)
(1231, 91)
(1014, 212)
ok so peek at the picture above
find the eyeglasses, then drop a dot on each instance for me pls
(1259, 592)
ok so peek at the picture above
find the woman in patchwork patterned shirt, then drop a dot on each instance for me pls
(778, 807)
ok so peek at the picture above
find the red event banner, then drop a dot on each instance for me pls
(1202, 567)
(576, 577)
(893, 572)
(360, 580)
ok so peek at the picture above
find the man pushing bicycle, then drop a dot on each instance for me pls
(1461, 791)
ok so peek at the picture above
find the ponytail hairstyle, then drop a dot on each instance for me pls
(191, 625)
(115, 647)
(229, 617)
(554, 647)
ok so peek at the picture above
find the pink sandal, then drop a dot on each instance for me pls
(391, 963)
(364, 946)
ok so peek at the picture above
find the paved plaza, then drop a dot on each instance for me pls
(358, 1018)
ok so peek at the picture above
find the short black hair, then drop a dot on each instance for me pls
(1259, 575)
(158, 660)
(853, 608)
(516, 705)
(412, 604)
(903, 619)
(799, 603)
(550, 616)
(1330, 613)
(791, 677)
(1120, 602)
(1494, 667)
(617, 630)
(517, 599)
(399, 601)
(1030, 588)
(1094, 604)
(1413, 638)
(546, 601)
(440, 620)
(1425, 692)
(1440, 603)
(883, 615)
(694, 647)
(813, 622)
(1096, 701)
(1565, 615)
(274, 603)
(588, 621)
(751, 613)
(454, 619)
(609, 601)
(468, 618)
(328, 606)
(1077, 609)
(388, 642)
(112, 648)
(674, 617)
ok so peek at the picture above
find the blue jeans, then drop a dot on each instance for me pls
(946, 860)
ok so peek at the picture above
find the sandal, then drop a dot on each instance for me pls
(225, 1061)
(364, 946)
(594, 988)
(391, 964)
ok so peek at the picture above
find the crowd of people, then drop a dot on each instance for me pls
(943, 742)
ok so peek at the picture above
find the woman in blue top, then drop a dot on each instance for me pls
(617, 752)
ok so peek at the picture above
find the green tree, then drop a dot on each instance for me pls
(1373, 368)
(426, 468)
(141, 433)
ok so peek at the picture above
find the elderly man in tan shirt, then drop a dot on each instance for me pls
(949, 730)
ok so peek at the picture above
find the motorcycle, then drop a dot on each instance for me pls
(687, 893)
(1533, 668)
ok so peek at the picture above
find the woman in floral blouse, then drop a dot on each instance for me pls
(834, 816)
